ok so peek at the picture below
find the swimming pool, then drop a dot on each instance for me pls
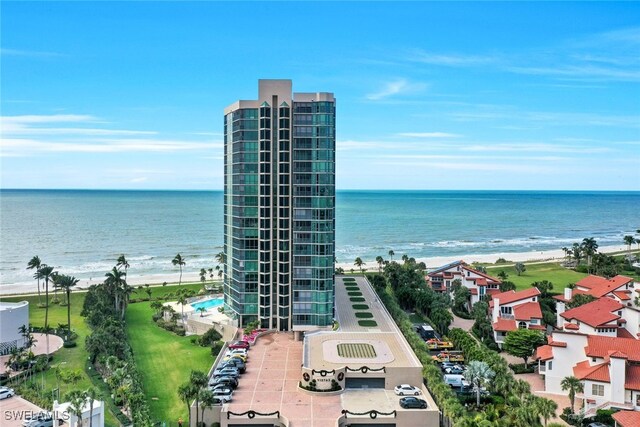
(209, 303)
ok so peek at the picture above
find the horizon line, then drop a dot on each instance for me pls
(338, 189)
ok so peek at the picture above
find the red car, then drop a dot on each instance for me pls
(239, 344)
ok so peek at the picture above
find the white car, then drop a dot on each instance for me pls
(6, 393)
(406, 390)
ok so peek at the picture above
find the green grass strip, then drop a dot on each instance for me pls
(367, 323)
(364, 315)
(360, 307)
(356, 299)
(354, 294)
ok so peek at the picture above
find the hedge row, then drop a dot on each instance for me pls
(442, 393)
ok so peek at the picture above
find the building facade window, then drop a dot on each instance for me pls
(597, 389)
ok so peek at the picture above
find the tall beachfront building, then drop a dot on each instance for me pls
(279, 208)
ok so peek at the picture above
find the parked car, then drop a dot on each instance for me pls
(234, 351)
(455, 370)
(406, 389)
(225, 397)
(6, 393)
(237, 356)
(469, 390)
(227, 381)
(446, 365)
(39, 420)
(218, 401)
(239, 344)
(234, 363)
(413, 403)
(221, 388)
(226, 372)
(597, 425)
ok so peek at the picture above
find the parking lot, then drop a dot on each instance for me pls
(271, 384)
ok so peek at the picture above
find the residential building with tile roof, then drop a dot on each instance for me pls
(479, 284)
(512, 310)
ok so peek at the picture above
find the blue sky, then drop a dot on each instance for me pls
(430, 95)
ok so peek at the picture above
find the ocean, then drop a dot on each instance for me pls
(82, 232)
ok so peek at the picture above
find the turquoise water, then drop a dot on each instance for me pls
(82, 232)
(208, 304)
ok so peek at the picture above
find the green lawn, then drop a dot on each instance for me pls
(66, 358)
(164, 360)
(551, 271)
(75, 358)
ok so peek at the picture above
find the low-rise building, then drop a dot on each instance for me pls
(13, 316)
(513, 310)
(479, 284)
(607, 316)
(608, 366)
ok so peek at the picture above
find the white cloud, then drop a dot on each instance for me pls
(397, 87)
(451, 60)
(139, 179)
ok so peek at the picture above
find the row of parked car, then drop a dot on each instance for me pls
(410, 402)
(226, 375)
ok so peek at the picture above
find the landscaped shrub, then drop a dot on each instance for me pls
(364, 315)
(352, 288)
(216, 347)
(69, 344)
(356, 299)
(179, 330)
(367, 323)
(354, 294)
(360, 307)
(519, 368)
(210, 337)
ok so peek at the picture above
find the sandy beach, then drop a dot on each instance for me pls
(433, 262)
(370, 265)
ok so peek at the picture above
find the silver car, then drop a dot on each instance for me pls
(6, 393)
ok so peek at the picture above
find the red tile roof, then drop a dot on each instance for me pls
(632, 382)
(583, 371)
(600, 286)
(527, 311)
(504, 325)
(595, 313)
(544, 352)
(600, 346)
(623, 295)
(512, 296)
(623, 333)
(627, 418)
(571, 326)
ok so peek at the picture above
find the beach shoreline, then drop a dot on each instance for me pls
(370, 265)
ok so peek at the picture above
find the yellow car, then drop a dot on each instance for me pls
(237, 356)
(449, 356)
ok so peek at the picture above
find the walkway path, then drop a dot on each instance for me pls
(40, 347)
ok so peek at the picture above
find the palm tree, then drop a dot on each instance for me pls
(391, 254)
(77, 400)
(35, 263)
(67, 282)
(203, 275)
(92, 394)
(187, 393)
(573, 385)
(478, 373)
(590, 247)
(380, 262)
(202, 310)
(198, 380)
(576, 250)
(115, 283)
(179, 261)
(45, 272)
(629, 240)
(182, 300)
(207, 400)
(122, 262)
(546, 408)
(405, 258)
(220, 257)
(358, 263)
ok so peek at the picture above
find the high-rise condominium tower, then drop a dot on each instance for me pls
(279, 208)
